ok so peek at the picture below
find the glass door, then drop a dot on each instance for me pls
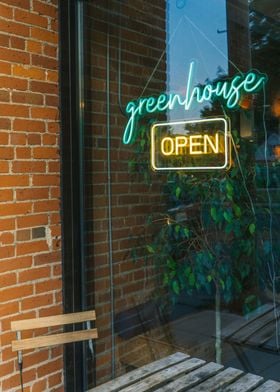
(181, 152)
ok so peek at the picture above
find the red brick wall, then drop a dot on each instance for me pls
(30, 257)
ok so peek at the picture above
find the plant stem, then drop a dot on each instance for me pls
(218, 342)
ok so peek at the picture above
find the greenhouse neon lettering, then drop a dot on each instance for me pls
(229, 91)
(192, 145)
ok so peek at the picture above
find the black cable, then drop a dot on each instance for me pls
(21, 374)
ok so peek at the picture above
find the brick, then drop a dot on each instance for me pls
(33, 220)
(52, 76)
(37, 302)
(18, 3)
(55, 193)
(43, 35)
(17, 43)
(34, 47)
(33, 358)
(23, 153)
(47, 179)
(47, 258)
(6, 368)
(39, 386)
(53, 127)
(29, 125)
(23, 235)
(55, 379)
(43, 61)
(34, 139)
(10, 383)
(34, 274)
(16, 292)
(47, 205)
(24, 97)
(53, 167)
(6, 152)
(49, 368)
(5, 123)
(32, 194)
(14, 110)
(18, 139)
(50, 285)
(13, 180)
(46, 113)
(6, 195)
(30, 18)
(9, 309)
(38, 232)
(52, 100)
(6, 12)
(45, 9)
(51, 310)
(4, 39)
(7, 252)
(9, 279)
(50, 51)
(44, 87)
(13, 83)
(14, 28)
(4, 167)
(14, 56)
(28, 167)
(31, 247)
(6, 238)
(7, 224)
(15, 264)
(45, 153)
(15, 209)
(4, 95)
(7, 353)
(5, 68)
(48, 139)
(29, 72)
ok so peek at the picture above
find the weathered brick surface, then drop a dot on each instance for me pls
(30, 257)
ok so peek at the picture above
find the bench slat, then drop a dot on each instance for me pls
(192, 379)
(262, 336)
(221, 380)
(269, 386)
(138, 374)
(242, 335)
(245, 384)
(61, 319)
(234, 327)
(160, 378)
(52, 340)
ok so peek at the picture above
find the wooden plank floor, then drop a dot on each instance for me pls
(180, 372)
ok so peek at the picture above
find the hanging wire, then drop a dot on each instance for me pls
(271, 266)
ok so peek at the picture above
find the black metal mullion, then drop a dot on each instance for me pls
(71, 181)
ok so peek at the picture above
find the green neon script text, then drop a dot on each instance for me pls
(229, 91)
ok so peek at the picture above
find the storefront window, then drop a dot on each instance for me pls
(181, 249)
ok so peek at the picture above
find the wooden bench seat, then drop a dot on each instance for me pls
(179, 372)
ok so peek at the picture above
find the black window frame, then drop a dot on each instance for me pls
(72, 181)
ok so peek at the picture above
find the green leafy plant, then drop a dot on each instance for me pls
(205, 240)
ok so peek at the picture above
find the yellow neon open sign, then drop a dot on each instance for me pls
(191, 145)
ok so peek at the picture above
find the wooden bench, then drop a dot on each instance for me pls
(56, 338)
(257, 332)
(53, 339)
(180, 372)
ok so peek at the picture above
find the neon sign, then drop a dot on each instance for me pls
(193, 145)
(230, 91)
